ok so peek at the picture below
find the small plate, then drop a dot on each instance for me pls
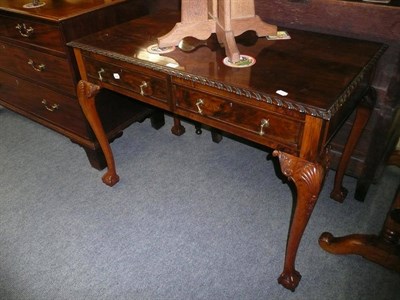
(33, 5)
(280, 35)
(244, 62)
(154, 49)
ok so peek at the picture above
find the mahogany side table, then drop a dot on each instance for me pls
(291, 101)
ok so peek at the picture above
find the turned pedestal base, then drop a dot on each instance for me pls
(383, 249)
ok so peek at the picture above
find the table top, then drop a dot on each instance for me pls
(318, 72)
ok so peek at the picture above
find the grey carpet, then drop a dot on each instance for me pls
(190, 219)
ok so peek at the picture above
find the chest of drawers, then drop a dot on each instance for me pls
(38, 73)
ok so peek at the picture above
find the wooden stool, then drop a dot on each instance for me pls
(226, 18)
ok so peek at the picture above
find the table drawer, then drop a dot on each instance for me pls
(44, 103)
(47, 69)
(261, 125)
(140, 83)
(34, 33)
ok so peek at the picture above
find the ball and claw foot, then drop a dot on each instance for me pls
(178, 130)
(325, 240)
(110, 179)
(290, 280)
(339, 195)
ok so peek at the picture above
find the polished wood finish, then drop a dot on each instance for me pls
(358, 19)
(307, 178)
(38, 73)
(323, 88)
(86, 94)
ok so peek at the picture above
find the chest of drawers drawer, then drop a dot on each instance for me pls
(137, 82)
(38, 72)
(35, 33)
(44, 68)
(42, 103)
(255, 123)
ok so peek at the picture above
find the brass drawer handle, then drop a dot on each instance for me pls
(144, 85)
(23, 31)
(198, 104)
(52, 107)
(101, 71)
(264, 124)
(37, 68)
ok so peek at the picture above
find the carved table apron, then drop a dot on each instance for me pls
(325, 78)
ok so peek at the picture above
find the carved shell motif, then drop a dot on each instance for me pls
(302, 172)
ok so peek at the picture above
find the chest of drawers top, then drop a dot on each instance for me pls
(51, 26)
(56, 10)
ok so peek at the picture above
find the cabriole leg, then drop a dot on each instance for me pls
(308, 178)
(86, 95)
